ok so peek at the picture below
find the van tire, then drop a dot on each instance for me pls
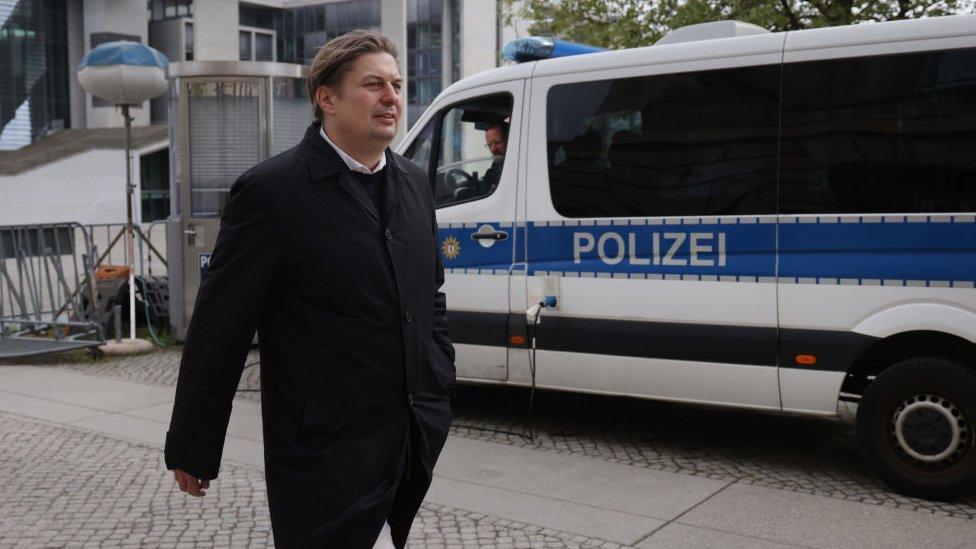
(905, 427)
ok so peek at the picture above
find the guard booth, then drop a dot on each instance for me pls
(225, 116)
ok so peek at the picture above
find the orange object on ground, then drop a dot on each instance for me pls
(111, 272)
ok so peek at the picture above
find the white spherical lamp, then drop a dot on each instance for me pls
(125, 73)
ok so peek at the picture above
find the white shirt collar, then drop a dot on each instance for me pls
(354, 165)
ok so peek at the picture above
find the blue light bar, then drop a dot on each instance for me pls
(535, 48)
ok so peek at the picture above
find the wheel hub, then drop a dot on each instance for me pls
(930, 428)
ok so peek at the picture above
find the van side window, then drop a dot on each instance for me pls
(419, 150)
(471, 150)
(880, 134)
(701, 143)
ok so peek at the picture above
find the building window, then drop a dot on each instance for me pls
(154, 183)
(263, 46)
(300, 32)
(168, 9)
(256, 16)
(256, 44)
(245, 38)
(188, 41)
(424, 39)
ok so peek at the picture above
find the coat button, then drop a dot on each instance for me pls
(388, 234)
(410, 400)
(408, 316)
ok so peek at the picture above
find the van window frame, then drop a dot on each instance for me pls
(773, 200)
(435, 151)
(794, 135)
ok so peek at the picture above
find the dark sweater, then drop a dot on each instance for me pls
(373, 185)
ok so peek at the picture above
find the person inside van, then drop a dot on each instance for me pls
(496, 139)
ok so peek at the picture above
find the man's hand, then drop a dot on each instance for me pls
(191, 484)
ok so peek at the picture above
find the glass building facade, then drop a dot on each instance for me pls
(424, 41)
(35, 76)
(455, 40)
(300, 32)
(34, 97)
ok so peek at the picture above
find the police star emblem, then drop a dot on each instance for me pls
(451, 247)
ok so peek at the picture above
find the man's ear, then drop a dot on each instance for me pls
(325, 99)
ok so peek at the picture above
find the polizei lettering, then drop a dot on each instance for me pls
(669, 249)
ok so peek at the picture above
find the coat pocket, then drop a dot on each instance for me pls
(443, 368)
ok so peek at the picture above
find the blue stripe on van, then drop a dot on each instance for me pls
(929, 251)
(828, 250)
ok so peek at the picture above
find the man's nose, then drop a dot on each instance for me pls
(390, 95)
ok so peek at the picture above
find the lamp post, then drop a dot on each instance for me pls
(125, 73)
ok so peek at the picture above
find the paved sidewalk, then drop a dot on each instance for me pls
(81, 463)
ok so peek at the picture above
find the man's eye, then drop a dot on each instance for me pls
(397, 87)
(373, 85)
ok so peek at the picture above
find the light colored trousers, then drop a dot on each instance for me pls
(385, 540)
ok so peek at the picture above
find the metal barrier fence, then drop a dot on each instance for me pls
(109, 239)
(46, 289)
(51, 298)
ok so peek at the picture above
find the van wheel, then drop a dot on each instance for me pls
(915, 426)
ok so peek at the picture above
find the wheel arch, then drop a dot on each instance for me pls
(887, 351)
(911, 330)
(927, 316)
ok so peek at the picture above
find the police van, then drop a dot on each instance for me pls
(776, 221)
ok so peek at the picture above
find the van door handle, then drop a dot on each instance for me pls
(494, 235)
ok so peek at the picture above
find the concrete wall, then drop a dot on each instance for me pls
(122, 17)
(78, 100)
(87, 188)
(215, 24)
(479, 39)
(393, 23)
(446, 51)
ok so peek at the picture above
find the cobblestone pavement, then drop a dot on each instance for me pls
(64, 487)
(808, 455)
(799, 454)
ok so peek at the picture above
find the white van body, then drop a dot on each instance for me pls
(783, 308)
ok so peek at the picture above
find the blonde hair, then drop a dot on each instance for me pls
(337, 56)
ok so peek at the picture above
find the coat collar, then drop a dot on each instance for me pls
(324, 164)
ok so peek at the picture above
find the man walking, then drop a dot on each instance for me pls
(329, 251)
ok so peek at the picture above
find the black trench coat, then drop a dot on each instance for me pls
(357, 367)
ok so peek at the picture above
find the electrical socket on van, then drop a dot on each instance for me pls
(544, 288)
(551, 288)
